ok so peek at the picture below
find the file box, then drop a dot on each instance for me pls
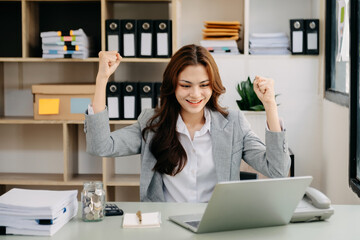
(61, 101)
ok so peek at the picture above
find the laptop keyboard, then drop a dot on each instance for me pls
(194, 224)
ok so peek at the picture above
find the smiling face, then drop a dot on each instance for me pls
(193, 89)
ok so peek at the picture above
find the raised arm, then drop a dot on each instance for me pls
(108, 62)
(264, 89)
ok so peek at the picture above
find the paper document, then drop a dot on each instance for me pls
(36, 212)
(149, 220)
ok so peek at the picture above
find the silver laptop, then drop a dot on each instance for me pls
(248, 204)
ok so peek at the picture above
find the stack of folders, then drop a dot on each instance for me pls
(269, 44)
(220, 37)
(36, 212)
(142, 38)
(65, 44)
(221, 30)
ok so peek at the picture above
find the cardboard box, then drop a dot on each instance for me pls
(62, 101)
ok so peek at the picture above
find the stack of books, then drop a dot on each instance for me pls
(221, 30)
(61, 44)
(36, 212)
(269, 44)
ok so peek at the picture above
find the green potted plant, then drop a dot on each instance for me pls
(249, 100)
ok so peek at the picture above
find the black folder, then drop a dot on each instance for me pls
(147, 95)
(113, 99)
(128, 38)
(163, 38)
(297, 29)
(145, 29)
(157, 94)
(311, 36)
(130, 101)
(112, 27)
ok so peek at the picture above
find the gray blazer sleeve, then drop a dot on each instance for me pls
(272, 160)
(123, 142)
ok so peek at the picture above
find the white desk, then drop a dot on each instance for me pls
(343, 225)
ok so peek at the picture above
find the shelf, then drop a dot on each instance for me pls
(122, 122)
(31, 179)
(40, 60)
(79, 179)
(30, 120)
(165, 60)
(146, 1)
(59, 146)
(61, 0)
(93, 59)
(154, 60)
(124, 180)
(279, 57)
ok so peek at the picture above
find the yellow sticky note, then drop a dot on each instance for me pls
(49, 106)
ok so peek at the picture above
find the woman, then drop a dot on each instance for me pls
(190, 143)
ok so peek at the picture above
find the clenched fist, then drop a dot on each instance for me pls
(264, 89)
(108, 62)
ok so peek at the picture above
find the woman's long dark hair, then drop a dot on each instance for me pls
(165, 145)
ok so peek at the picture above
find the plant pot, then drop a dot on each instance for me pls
(257, 120)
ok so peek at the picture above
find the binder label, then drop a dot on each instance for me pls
(312, 41)
(113, 107)
(113, 43)
(129, 106)
(146, 44)
(297, 41)
(129, 45)
(162, 44)
(146, 103)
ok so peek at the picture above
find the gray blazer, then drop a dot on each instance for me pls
(232, 141)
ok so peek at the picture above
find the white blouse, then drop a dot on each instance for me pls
(196, 182)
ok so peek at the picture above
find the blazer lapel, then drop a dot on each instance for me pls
(221, 132)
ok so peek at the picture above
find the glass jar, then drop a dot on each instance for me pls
(93, 201)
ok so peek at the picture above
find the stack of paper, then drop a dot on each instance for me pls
(36, 212)
(221, 30)
(269, 43)
(71, 44)
(220, 46)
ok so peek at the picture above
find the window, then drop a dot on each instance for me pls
(354, 160)
(337, 65)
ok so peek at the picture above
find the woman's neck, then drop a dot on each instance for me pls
(193, 121)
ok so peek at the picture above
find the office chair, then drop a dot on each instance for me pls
(248, 175)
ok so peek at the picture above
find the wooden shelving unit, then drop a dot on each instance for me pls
(26, 19)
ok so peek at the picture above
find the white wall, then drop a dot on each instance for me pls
(335, 154)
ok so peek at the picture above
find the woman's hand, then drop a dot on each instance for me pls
(108, 62)
(264, 89)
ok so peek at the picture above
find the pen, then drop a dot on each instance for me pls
(138, 214)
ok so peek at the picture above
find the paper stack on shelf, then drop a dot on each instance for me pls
(269, 44)
(36, 212)
(228, 47)
(219, 37)
(221, 30)
(71, 44)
